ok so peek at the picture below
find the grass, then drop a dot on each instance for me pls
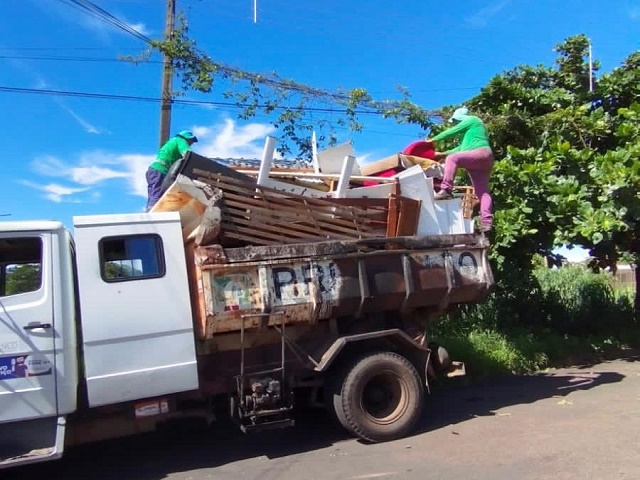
(581, 320)
(491, 353)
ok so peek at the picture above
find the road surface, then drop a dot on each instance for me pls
(577, 423)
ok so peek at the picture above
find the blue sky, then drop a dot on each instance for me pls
(68, 156)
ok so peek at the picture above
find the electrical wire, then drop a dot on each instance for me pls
(179, 101)
(97, 12)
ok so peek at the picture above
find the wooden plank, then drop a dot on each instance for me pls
(392, 217)
(262, 221)
(259, 214)
(290, 235)
(307, 209)
(408, 217)
(324, 219)
(321, 213)
(266, 213)
(216, 179)
(413, 184)
(259, 191)
(319, 176)
(251, 235)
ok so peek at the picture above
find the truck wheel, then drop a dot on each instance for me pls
(381, 397)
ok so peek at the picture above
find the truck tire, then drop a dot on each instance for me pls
(381, 397)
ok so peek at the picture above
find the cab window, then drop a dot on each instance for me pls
(20, 265)
(132, 257)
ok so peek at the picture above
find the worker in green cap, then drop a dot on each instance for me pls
(172, 151)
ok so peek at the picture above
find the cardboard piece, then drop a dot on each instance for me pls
(387, 163)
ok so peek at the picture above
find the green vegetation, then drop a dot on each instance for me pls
(22, 278)
(563, 315)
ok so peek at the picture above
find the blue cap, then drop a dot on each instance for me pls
(187, 135)
(460, 114)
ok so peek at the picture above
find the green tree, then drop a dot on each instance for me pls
(22, 278)
(568, 158)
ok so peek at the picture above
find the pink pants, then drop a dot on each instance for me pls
(478, 163)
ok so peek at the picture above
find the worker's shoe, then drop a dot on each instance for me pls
(485, 228)
(443, 195)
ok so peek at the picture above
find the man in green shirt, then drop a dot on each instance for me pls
(474, 153)
(172, 151)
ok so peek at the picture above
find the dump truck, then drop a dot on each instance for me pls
(123, 326)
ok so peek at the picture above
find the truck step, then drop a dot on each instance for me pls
(31, 441)
(271, 425)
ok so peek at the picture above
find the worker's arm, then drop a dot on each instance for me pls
(460, 127)
(183, 147)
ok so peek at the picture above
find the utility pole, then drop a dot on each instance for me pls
(590, 69)
(167, 76)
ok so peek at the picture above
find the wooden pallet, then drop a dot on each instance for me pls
(264, 216)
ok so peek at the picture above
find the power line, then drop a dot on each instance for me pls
(95, 11)
(108, 96)
(64, 58)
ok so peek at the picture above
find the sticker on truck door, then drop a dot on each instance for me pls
(23, 366)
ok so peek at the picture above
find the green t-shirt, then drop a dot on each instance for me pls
(474, 135)
(170, 153)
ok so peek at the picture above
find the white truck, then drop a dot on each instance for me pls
(120, 327)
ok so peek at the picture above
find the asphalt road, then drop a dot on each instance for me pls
(577, 423)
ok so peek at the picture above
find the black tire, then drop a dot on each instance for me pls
(381, 397)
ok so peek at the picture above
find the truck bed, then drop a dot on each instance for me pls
(249, 287)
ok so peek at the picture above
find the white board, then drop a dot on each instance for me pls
(332, 159)
(414, 184)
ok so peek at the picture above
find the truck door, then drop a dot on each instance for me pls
(27, 329)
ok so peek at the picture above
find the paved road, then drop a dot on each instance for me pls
(578, 423)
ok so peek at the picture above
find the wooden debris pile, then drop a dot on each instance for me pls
(239, 207)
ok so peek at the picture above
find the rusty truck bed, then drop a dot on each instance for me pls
(306, 283)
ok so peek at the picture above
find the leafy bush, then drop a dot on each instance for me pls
(579, 302)
(531, 322)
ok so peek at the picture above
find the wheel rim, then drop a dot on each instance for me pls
(384, 397)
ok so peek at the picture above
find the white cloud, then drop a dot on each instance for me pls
(87, 127)
(634, 13)
(55, 192)
(230, 141)
(90, 171)
(481, 18)
(140, 28)
(88, 21)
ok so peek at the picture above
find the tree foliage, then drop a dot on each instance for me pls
(568, 169)
(567, 156)
(23, 278)
(288, 102)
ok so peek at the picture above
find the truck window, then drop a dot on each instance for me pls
(20, 265)
(131, 257)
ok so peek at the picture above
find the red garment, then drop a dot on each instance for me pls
(421, 149)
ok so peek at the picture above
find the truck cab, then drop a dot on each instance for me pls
(101, 320)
